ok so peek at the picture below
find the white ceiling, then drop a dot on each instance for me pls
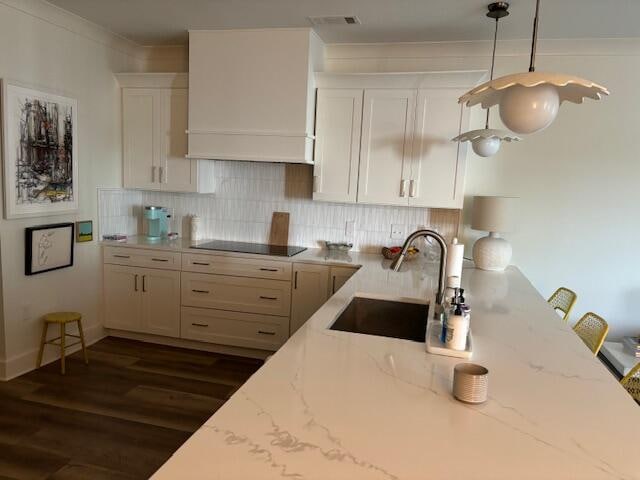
(158, 22)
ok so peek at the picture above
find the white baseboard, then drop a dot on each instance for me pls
(25, 362)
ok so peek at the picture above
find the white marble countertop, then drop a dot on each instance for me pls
(336, 405)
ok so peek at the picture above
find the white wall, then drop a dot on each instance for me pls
(578, 180)
(49, 48)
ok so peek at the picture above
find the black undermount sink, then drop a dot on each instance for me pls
(384, 318)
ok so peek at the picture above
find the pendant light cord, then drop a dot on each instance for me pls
(493, 63)
(534, 39)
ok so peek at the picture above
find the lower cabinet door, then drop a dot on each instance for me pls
(339, 276)
(160, 301)
(123, 302)
(310, 291)
(250, 330)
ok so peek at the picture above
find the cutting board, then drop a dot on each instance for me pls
(279, 229)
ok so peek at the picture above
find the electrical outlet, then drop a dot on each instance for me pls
(350, 229)
(397, 232)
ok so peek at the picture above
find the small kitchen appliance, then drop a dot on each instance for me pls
(156, 222)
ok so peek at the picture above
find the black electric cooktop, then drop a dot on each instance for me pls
(257, 248)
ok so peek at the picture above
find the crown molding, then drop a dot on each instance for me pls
(56, 16)
(506, 48)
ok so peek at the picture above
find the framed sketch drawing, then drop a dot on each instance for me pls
(39, 132)
(48, 247)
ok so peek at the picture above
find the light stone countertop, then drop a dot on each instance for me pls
(335, 405)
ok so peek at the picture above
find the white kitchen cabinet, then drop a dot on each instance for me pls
(406, 155)
(310, 292)
(252, 94)
(337, 150)
(338, 276)
(122, 299)
(385, 156)
(144, 300)
(154, 138)
(160, 302)
(438, 165)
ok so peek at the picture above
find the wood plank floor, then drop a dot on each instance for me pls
(120, 417)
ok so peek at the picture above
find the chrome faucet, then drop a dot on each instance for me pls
(397, 263)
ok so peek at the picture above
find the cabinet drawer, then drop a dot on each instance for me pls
(239, 267)
(233, 328)
(139, 257)
(238, 294)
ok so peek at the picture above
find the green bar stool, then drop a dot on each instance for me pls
(62, 318)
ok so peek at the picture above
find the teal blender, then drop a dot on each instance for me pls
(156, 222)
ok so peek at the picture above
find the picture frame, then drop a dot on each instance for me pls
(40, 152)
(48, 247)
(84, 231)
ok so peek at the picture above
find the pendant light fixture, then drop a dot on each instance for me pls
(486, 142)
(529, 102)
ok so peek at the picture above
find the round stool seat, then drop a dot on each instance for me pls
(62, 317)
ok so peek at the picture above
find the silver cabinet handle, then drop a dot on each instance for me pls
(144, 283)
(268, 269)
(295, 280)
(160, 259)
(121, 256)
(412, 188)
(333, 285)
(199, 291)
(199, 325)
(315, 183)
(201, 263)
(161, 170)
(262, 332)
(403, 188)
(135, 283)
(268, 298)
(153, 174)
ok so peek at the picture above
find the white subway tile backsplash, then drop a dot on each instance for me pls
(246, 196)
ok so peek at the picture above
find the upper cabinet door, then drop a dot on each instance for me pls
(337, 147)
(437, 171)
(176, 172)
(385, 157)
(141, 114)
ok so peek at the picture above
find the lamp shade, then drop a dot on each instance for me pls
(494, 214)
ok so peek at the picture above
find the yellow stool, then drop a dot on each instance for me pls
(62, 318)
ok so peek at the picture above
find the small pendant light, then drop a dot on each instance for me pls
(529, 102)
(486, 142)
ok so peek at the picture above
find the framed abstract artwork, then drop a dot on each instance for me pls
(39, 133)
(48, 247)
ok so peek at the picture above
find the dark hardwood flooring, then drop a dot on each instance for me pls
(120, 417)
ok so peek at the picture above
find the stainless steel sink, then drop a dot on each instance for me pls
(384, 318)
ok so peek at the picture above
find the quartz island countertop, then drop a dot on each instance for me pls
(336, 405)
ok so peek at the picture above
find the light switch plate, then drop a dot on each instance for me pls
(397, 232)
(350, 229)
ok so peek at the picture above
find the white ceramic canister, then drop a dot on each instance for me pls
(195, 228)
(457, 331)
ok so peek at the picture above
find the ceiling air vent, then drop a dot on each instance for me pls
(335, 20)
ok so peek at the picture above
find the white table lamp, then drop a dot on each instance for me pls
(495, 215)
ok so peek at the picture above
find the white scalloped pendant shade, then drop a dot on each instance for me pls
(570, 88)
(472, 135)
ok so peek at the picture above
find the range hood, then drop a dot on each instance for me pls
(252, 94)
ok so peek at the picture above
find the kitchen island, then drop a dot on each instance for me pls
(337, 405)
